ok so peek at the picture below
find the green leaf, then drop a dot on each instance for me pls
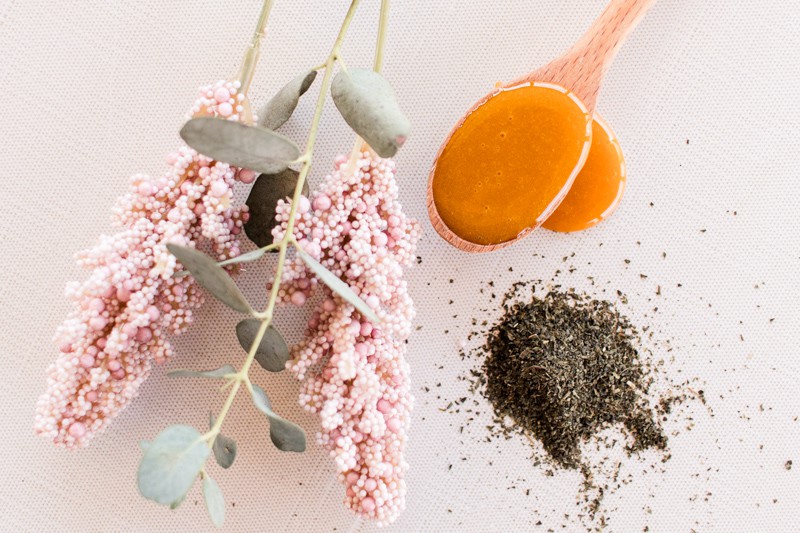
(218, 373)
(272, 352)
(338, 286)
(286, 436)
(211, 276)
(143, 445)
(224, 448)
(252, 147)
(177, 503)
(282, 105)
(253, 255)
(262, 201)
(171, 463)
(367, 102)
(215, 503)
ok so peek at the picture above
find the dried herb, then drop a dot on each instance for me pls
(564, 367)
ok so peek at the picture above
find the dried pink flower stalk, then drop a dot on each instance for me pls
(355, 375)
(130, 302)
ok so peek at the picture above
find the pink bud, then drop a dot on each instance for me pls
(298, 298)
(384, 406)
(393, 424)
(366, 329)
(322, 202)
(368, 504)
(247, 176)
(77, 430)
(97, 323)
(144, 335)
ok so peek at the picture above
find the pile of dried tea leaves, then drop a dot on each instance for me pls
(563, 367)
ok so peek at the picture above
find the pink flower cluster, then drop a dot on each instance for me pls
(354, 372)
(131, 301)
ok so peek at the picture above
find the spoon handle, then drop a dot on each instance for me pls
(582, 67)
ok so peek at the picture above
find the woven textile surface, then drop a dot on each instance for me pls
(703, 97)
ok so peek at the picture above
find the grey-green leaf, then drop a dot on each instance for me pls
(338, 286)
(262, 201)
(252, 147)
(286, 436)
(367, 102)
(171, 463)
(177, 503)
(211, 276)
(215, 502)
(143, 445)
(272, 352)
(217, 373)
(253, 255)
(282, 105)
(224, 448)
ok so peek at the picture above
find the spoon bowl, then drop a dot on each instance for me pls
(577, 74)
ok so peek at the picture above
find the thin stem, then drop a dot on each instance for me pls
(288, 237)
(251, 55)
(381, 42)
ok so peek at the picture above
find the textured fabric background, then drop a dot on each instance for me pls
(704, 99)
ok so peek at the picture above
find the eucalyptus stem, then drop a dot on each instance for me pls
(251, 55)
(381, 39)
(288, 238)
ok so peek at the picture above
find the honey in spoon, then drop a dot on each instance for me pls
(539, 162)
(598, 188)
(511, 162)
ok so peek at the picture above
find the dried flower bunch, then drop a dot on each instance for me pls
(350, 237)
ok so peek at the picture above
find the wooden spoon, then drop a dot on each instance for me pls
(580, 71)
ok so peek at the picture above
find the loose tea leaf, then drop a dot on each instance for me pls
(171, 463)
(211, 276)
(217, 373)
(282, 105)
(286, 436)
(272, 352)
(264, 196)
(563, 368)
(338, 286)
(215, 502)
(367, 102)
(224, 448)
(251, 147)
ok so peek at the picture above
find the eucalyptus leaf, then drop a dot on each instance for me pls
(171, 463)
(286, 436)
(215, 502)
(282, 105)
(367, 102)
(144, 444)
(218, 373)
(251, 147)
(224, 448)
(272, 352)
(177, 503)
(211, 276)
(262, 201)
(253, 255)
(338, 286)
